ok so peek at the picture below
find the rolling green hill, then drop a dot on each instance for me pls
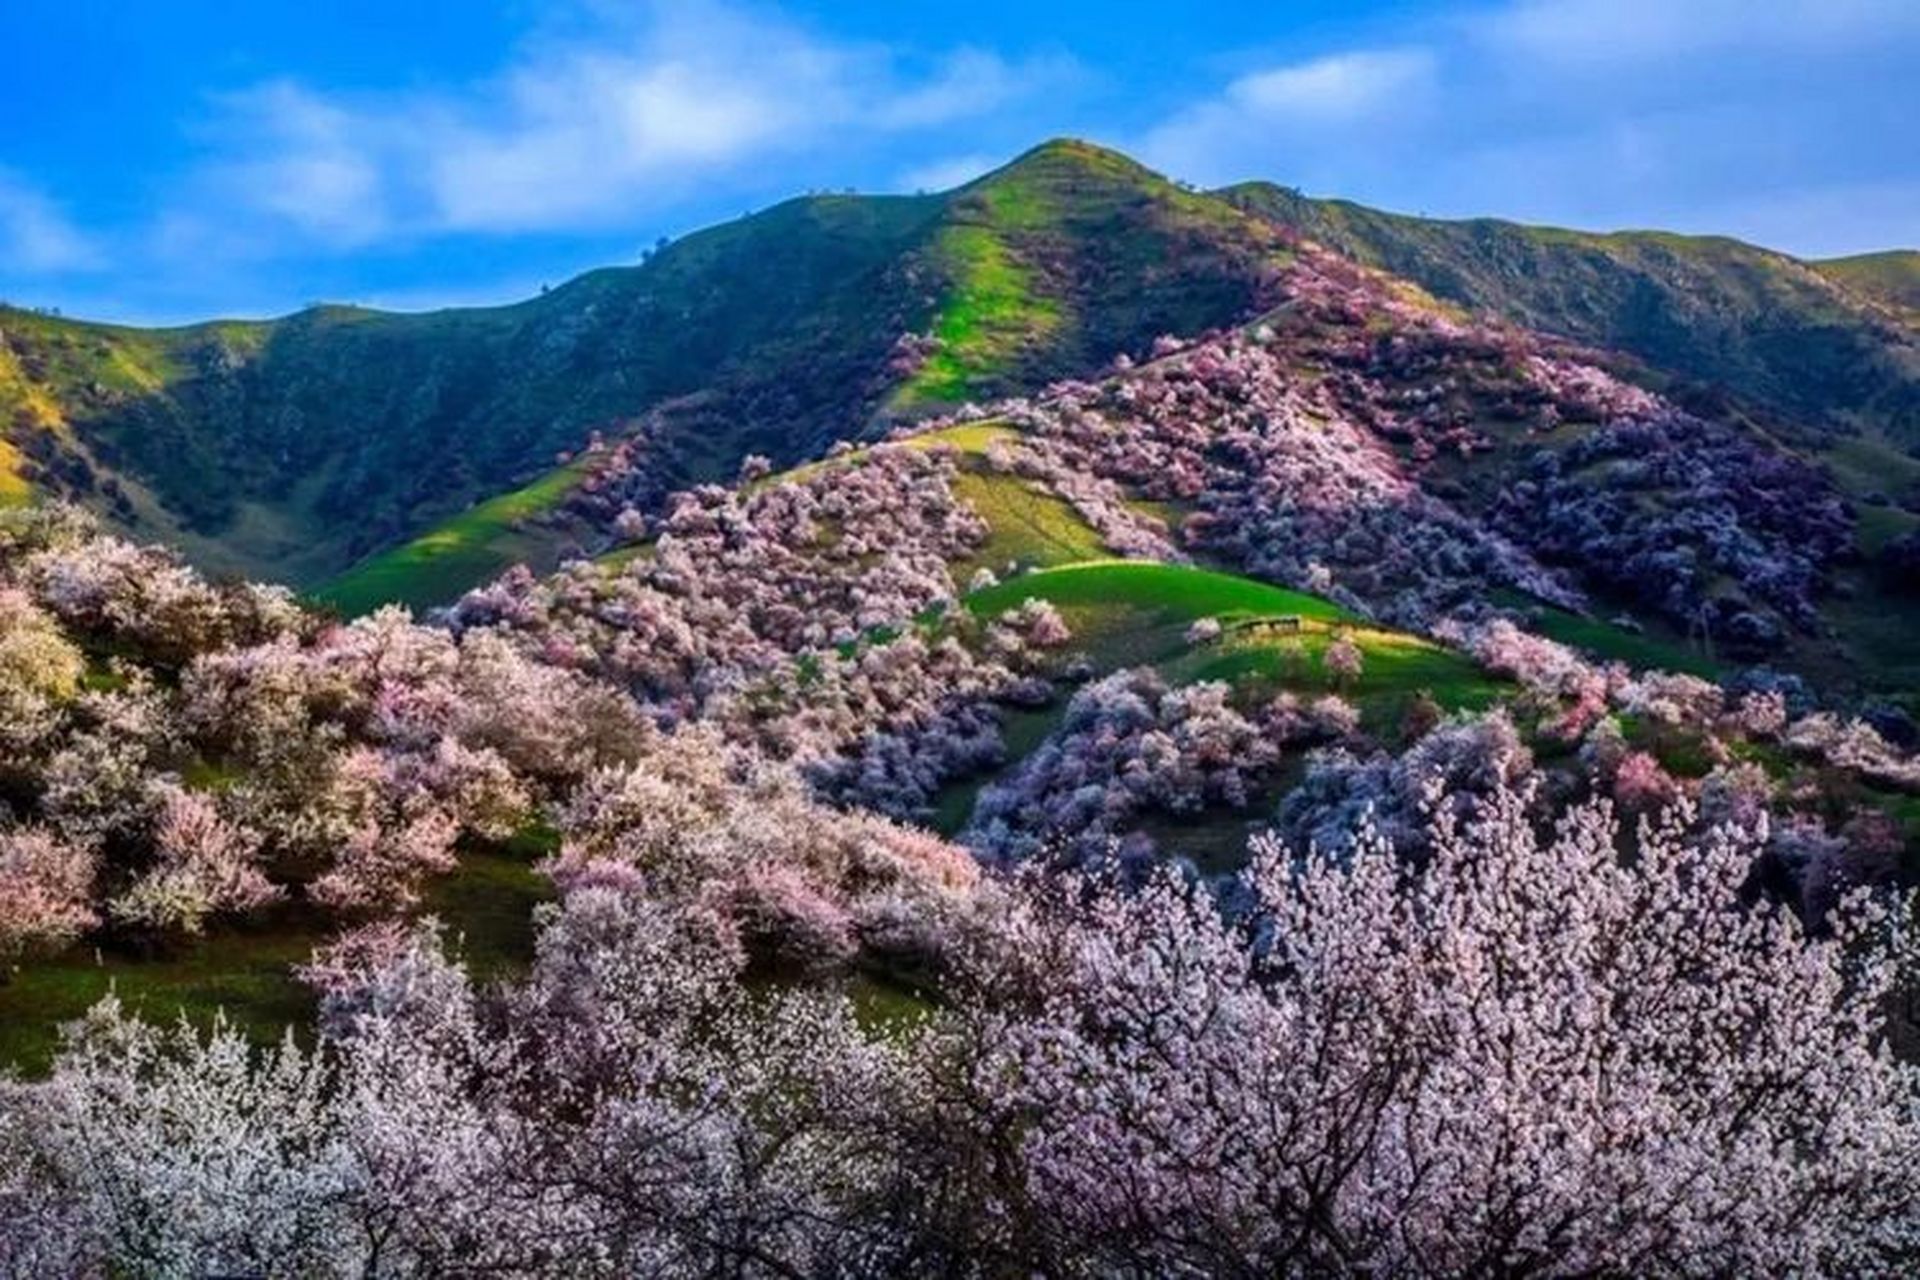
(460, 553)
(1132, 612)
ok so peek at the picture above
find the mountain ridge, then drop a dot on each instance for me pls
(1776, 330)
(294, 447)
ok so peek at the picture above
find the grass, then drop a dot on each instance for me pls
(1169, 514)
(886, 1009)
(993, 310)
(1022, 730)
(1880, 525)
(1877, 629)
(1638, 650)
(616, 562)
(1126, 613)
(990, 314)
(14, 489)
(24, 403)
(1892, 276)
(245, 970)
(1174, 593)
(1397, 668)
(1216, 841)
(436, 567)
(1863, 464)
(969, 439)
(1027, 526)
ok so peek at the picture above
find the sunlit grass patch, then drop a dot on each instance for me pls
(455, 556)
(1028, 526)
(990, 315)
(970, 439)
(14, 489)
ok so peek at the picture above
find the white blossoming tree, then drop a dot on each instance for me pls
(1527, 1056)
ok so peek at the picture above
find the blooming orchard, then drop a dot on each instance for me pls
(1531, 1055)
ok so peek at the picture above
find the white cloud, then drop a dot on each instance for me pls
(944, 175)
(1595, 113)
(1338, 100)
(579, 134)
(303, 160)
(586, 133)
(35, 236)
(1343, 86)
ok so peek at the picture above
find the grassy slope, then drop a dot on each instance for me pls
(1176, 595)
(245, 972)
(436, 567)
(1873, 628)
(1058, 261)
(1134, 612)
(1892, 277)
(990, 315)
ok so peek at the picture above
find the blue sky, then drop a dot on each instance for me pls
(163, 162)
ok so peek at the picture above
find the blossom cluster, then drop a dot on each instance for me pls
(1534, 1048)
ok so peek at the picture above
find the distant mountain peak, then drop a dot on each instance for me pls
(1073, 156)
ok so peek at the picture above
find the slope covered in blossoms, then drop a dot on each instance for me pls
(299, 447)
(295, 447)
(1831, 344)
(767, 1017)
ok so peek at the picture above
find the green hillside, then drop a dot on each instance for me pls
(1892, 277)
(458, 554)
(1134, 612)
(295, 447)
(245, 973)
(301, 447)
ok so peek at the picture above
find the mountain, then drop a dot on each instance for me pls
(1831, 344)
(342, 436)
(291, 447)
